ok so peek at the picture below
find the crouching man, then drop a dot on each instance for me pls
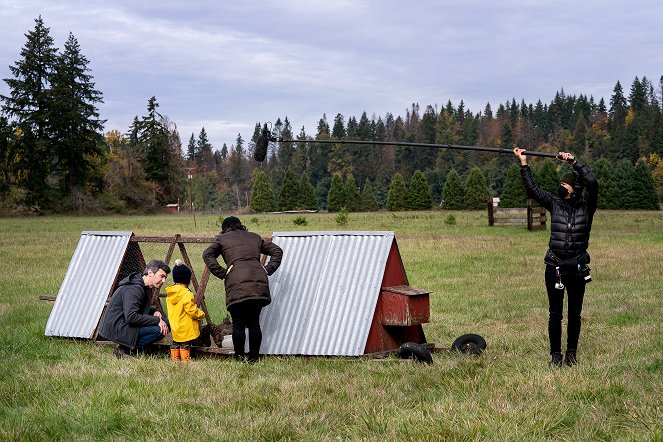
(131, 321)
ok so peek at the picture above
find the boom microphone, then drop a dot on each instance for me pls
(261, 145)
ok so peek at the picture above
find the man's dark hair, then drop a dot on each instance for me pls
(155, 265)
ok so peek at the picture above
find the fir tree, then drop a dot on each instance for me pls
(513, 193)
(453, 194)
(547, 177)
(30, 103)
(397, 196)
(289, 194)
(352, 195)
(74, 120)
(308, 200)
(627, 196)
(191, 150)
(644, 186)
(419, 195)
(262, 196)
(608, 197)
(336, 197)
(476, 191)
(368, 201)
(204, 155)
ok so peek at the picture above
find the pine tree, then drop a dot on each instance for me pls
(308, 200)
(368, 201)
(262, 196)
(352, 195)
(453, 195)
(30, 104)
(237, 162)
(74, 119)
(397, 196)
(513, 193)
(336, 197)
(476, 191)
(289, 194)
(419, 195)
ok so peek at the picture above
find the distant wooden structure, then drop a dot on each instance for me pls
(534, 217)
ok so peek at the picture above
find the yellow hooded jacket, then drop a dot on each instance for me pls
(183, 313)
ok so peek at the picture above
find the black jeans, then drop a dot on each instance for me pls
(245, 315)
(575, 288)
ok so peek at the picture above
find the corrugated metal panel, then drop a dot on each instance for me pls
(325, 292)
(87, 284)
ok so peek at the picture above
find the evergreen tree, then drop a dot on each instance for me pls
(627, 196)
(397, 196)
(644, 186)
(419, 196)
(204, 157)
(237, 162)
(191, 150)
(151, 138)
(262, 196)
(336, 197)
(368, 201)
(30, 103)
(476, 191)
(453, 194)
(547, 177)
(289, 195)
(513, 193)
(308, 198)
(74, 119)
(352, 195)
(7, 156)
(608, 196)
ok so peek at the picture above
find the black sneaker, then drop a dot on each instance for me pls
(556, 360)
(121, 352)
(570, 358)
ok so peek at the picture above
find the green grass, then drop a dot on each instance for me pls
(485, 280)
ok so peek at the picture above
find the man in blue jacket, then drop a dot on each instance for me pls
(131, 321)
(571, 215)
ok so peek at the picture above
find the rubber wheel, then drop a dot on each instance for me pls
(470, 344)
(418, 352)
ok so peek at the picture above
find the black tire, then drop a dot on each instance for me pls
(418, 352)
(470, 344)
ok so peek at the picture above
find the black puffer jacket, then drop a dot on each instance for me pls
(570, 219)
(129, 308)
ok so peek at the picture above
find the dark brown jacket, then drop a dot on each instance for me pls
(248, 278)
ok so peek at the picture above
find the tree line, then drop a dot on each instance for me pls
(54, 156)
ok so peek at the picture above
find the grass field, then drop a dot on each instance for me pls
(485, 280)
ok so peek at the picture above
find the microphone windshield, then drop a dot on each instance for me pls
(261, 145)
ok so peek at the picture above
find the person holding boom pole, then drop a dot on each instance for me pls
(571, 215)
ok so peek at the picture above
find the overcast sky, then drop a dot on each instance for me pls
(225, 65)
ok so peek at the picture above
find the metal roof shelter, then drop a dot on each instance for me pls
(336, 293)
(326, 296)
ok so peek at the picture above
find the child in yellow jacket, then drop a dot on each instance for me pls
(183, 313)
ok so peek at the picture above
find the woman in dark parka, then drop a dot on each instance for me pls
(247, 287)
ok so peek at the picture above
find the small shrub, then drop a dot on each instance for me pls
(300, 221)
(450, 220)
(342, 217)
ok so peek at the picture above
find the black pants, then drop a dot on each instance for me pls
(246, 315)
(575, 288)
